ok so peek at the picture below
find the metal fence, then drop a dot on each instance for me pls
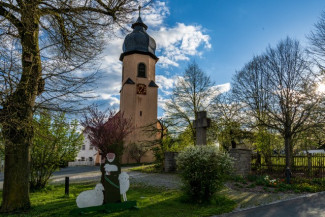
(308, 166)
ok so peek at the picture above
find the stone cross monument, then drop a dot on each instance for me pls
(201, 124)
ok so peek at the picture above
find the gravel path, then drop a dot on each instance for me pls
(170, 181)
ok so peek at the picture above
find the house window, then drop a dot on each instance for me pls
(140, 113)
(83, 147)
(142, 70)
(90, 159)
(82, 158)
(91, 147)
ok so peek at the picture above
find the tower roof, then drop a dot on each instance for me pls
(139, 22)
(138, 41)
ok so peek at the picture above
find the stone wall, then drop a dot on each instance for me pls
(170, 161)
(242, 163)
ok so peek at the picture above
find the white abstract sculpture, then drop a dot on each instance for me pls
(124, 184)
(110, 168)
(91, 197)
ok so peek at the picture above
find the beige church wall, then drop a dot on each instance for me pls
(127, 101)
(147, 158)
(132, 103)
(130, 67)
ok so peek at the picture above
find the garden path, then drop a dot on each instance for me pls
(89, 174)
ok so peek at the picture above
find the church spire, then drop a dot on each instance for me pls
(138, 41)
(139, 21)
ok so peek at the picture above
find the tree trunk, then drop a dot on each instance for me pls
(17, 116)
(288, 150)
(16, 176)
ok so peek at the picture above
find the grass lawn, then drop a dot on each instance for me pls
(145, 168)
(151, 201)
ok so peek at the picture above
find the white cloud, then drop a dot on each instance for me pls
(110, 83)
(166, 83)
(113, 100)
(214, 91)
(178, 43)
(223, 87)
(155, 15)
(162, 102)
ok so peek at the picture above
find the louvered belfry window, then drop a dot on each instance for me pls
(142, 70)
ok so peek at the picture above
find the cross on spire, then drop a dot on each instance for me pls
(140, 10)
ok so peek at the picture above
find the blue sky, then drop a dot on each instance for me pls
(239, 29)
(220, 35)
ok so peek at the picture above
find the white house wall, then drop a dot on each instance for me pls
(87, 153)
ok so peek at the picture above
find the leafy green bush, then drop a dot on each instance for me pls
(56, 142)
(260, 180)
(305, 187)
(252, 177)
(159, 156)
(204, 170)
(240, 179)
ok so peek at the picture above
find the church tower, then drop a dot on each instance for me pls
(139, 93)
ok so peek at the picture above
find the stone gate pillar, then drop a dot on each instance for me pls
(170, 161)
(242, 161)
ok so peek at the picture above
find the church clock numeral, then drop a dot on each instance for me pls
(141, 89)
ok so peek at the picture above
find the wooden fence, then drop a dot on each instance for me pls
(308, 166)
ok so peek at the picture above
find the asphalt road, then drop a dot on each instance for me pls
(70, 171)
(73, 172)
(312, 205)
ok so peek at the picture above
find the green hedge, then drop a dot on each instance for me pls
(203, 170)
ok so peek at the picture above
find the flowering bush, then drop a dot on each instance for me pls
(272, 182)
(203, 170)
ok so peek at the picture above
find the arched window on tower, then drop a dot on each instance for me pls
(142, 70)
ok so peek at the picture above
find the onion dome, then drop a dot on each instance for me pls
(138, 41)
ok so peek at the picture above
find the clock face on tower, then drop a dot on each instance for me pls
(141, 89)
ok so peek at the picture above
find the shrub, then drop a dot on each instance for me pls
(159, 156)
(240, 179)
(260, 180)
(252, 178)
(305, 187)
(203, 170)
(56, 142)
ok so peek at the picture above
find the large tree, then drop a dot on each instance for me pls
(228, 121)
(278, 89)
(317, 41)
(194, 91)
(56, 36)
